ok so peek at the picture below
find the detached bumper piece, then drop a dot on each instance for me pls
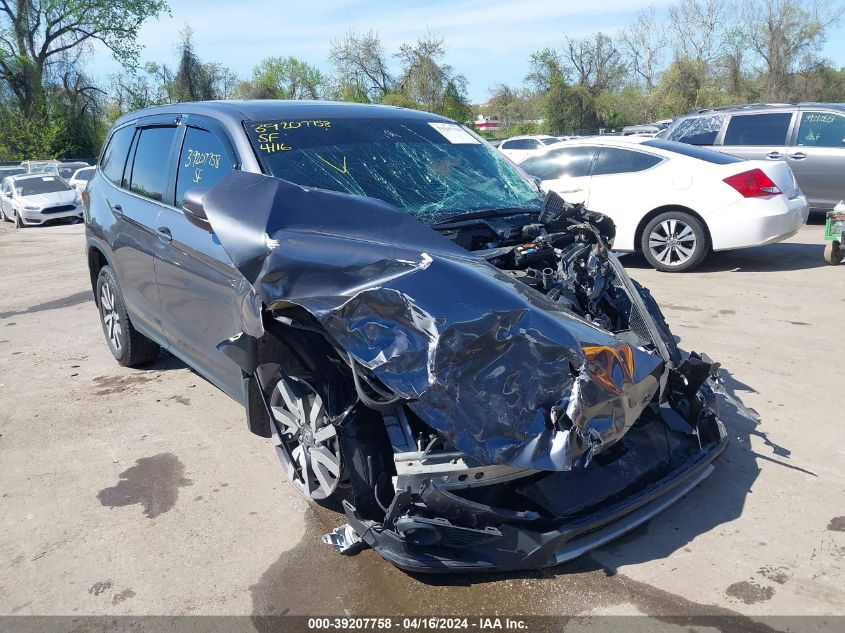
(540, 519)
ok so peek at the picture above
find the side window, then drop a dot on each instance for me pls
(758, 129)
(698, 130)
(149, 171)
(203, 162)
(532, 143)
(821, 129)
(507, 145)
(623, 161)
(85, 174)
(114, 158)
(571, 162)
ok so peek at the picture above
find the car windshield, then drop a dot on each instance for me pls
(430, 169)
(45, 184)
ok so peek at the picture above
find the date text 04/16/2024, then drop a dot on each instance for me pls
(425, 623)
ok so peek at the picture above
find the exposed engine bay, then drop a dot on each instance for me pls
(483, 393)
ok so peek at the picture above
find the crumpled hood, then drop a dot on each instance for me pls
(505, 374)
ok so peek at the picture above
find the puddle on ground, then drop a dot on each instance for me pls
(311, 578)
(153, 483)
(836, 524)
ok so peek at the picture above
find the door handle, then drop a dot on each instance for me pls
(164, 234)
(774, 155)
(798, 156)
(116, 208)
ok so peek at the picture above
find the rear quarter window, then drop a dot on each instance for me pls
(114, 157)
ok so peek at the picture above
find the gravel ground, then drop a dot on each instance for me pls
(142, 492)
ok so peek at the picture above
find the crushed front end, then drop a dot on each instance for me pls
(492, 393)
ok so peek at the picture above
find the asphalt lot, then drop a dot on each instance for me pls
(142, 492)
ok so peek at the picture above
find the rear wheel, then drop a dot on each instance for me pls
(129, 347)
(674, 242)
(834, 253)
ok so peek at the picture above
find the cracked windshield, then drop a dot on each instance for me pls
(430, 169)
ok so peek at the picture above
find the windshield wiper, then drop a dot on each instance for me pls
(481, 214)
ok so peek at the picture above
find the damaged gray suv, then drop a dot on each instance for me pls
(455, 361)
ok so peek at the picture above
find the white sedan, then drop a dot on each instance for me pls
(518, 148)
(671, 201)
(35, 199)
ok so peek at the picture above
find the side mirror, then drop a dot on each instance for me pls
(194, 209)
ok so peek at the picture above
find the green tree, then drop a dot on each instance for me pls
(284, 78)
(34, 33)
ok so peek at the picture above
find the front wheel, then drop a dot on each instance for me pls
(18, 220)
(674, 242)
(834, 253)
(310, 439)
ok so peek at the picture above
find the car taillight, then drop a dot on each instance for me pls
(753, 184)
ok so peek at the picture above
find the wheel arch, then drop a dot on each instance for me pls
(96, 261)
(648, 217)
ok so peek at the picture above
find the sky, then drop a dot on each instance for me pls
(489, 41)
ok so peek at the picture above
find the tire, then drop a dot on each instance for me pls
(834, 253)
(18, 221)
(685, 239)
(312, 441)
(129, 347)
(3, 217)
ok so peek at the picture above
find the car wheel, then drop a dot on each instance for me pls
(18, 221)
(674, 242)
(311, 441)
(834, 253)
(3, 214)
(129, 347)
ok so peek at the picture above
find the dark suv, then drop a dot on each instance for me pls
(458, 362)
(809, 137)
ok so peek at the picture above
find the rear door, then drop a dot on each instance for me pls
(761, 136)
(817, 156)
(197, 282)
(134, 169)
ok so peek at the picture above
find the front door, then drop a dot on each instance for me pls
(197, 282)
(817, 157)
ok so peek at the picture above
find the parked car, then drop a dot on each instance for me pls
(6, 170)
(67, 169)
(41, 166)
(79, 179)
(35, 199)
(672, 202)
(518, 148)
(809, 137)
(411, 330)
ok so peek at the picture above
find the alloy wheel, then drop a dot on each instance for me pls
(310, 438)
(111, 317)
(672, 242)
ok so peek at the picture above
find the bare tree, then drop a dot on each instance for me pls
(360, 61)
(781, 32)
(595, 62)
(644, 43)
(698, 27)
